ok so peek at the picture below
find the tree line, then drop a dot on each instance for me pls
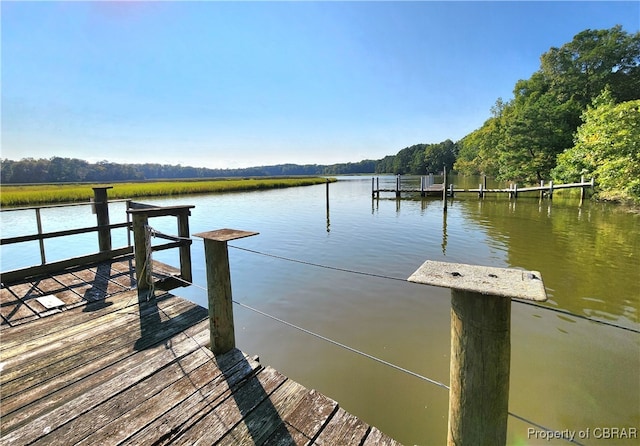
(577, 115)
(73, 170)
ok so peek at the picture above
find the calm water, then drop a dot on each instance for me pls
(566, 373)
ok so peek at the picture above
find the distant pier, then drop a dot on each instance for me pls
(429, 188)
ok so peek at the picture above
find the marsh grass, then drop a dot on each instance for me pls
(29, 195)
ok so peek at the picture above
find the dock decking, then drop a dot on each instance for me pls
(99, 367)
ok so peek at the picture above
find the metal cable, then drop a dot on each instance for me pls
(381, 276)
(367, 355)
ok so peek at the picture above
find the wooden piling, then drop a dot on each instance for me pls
(550, 189)
(444, 189)
(480, 344)
(102, 215)
(398, 186)
(222, 333)
(327, 193)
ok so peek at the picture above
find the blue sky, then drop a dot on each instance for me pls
(237, 84)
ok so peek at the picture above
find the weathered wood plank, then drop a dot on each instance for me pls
(71, 318)
(60, 338)
(377, 438)
(44, 374)
(305, 422)
(342, 428)
(260, 422)
(29, 421)
(117, 371)
(232, 412)
(138, 405)
(171, 407)
(14, 311)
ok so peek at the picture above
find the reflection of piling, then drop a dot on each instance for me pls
(222, 333)
(480, 344)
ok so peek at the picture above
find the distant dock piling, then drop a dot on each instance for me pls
(480, 344)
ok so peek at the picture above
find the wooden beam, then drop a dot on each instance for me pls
(24, 273)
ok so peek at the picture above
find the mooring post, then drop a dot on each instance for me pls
(398, 186)
(216, 254)
(550, 189)
(480, 344)
(101, 206)
(481, 190)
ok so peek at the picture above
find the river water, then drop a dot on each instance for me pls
(567, 374)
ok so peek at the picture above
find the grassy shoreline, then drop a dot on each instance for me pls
(37, 194)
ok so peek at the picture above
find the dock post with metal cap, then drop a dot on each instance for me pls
(222, 334)
(480, 344)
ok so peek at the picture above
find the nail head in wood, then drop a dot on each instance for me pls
(504, 282)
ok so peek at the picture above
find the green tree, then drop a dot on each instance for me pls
(535, 127)
(582, 68)
(439, 155)
(523, 140)
(478, 150)
(607, 148)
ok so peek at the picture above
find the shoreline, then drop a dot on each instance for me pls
(42, 194)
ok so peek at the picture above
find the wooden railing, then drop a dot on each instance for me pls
(140, 212)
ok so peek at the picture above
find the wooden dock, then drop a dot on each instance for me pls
(428, 188)
(83, 361)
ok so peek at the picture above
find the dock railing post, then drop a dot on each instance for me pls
(222, 333)
(480, 344)
(185, 250)
(102, 216)
(43, 258)
(142, 254)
